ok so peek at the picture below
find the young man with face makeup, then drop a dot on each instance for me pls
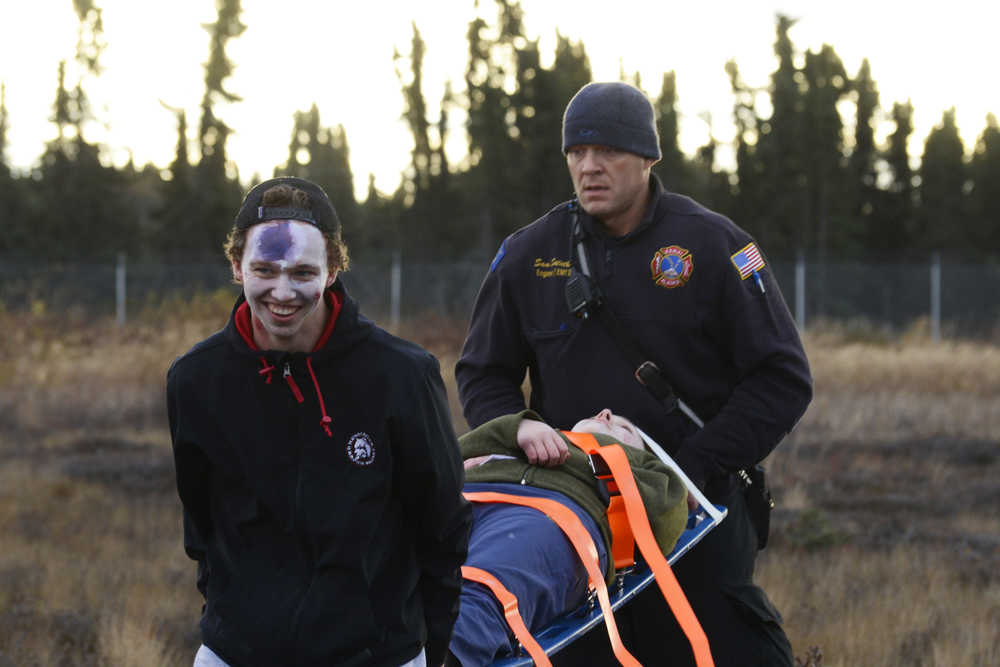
(695, 295)
(316, 462)
(525, 550)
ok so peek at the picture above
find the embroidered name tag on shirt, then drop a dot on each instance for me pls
(551, 268)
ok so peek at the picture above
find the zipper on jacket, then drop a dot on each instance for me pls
(287, 374)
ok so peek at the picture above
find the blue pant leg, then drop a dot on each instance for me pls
(531, 556)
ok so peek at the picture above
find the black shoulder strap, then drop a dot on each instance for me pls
(583, 295)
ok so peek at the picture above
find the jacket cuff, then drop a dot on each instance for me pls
(693, 465)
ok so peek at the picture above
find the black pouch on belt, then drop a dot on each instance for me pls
(759, 502)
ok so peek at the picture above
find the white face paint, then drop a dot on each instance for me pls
(284, 275)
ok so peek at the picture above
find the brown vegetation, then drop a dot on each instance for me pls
(885, 544)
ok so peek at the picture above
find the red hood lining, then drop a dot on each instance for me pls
(244, 323)
(243, 320)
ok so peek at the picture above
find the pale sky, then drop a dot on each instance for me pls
(339, 55)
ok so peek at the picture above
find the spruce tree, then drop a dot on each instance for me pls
(539, 101)
(16, 225)
(492, 151)
(433, 225)
(865, 201)
(672, 168)
(823, 146)
(415, 114)
(91, 219)
(943, 211)
(710, 185)
(984, 204)
(4, 169)
(783, 184)
(750, 198)
(781, 137)
(898, 220)
(173, 219)
(321, 154)
(218, 192)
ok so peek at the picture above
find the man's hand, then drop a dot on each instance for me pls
(475, 461)
(541, 443)
(692, 503)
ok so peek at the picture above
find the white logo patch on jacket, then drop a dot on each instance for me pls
(361, 449)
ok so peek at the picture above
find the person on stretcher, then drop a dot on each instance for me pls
(527, 551)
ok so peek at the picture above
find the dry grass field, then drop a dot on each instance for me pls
(885, 544)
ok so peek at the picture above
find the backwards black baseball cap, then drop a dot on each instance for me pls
(320, 213)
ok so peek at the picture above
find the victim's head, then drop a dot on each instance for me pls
(608, 423)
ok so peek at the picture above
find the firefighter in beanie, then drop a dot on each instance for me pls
(626, 270)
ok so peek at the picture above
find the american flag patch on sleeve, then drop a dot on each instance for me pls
(748, 261)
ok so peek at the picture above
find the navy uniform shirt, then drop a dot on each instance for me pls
(724, 338)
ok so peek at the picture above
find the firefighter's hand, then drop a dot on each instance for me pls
(692, 503)
(541, 443)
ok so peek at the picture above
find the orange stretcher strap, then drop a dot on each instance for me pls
(615, 457)
(622, 541)
(510, 611)
(574, 529)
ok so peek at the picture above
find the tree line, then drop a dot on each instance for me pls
(802, 183)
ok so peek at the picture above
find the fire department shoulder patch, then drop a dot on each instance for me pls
(671, 266)
(361, 449)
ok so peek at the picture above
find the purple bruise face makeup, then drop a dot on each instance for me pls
(275, 242)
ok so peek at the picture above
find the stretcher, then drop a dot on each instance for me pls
(629, 582)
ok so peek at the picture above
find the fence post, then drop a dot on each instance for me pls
(395, 290)
(120, 314)
(936, 297)
(800, 290)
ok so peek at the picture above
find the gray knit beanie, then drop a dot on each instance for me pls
(612, 114)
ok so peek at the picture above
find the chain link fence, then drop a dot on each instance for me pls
(959, 300)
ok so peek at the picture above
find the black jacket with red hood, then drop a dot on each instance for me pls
(322, 495)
